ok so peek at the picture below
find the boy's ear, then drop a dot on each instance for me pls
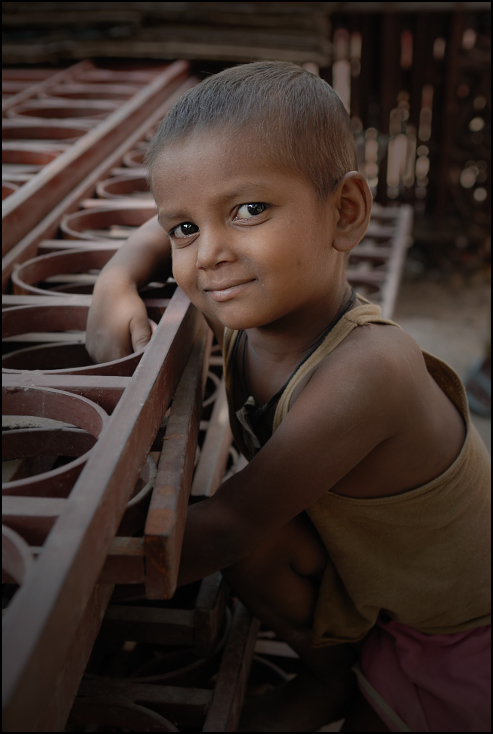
(353, 202)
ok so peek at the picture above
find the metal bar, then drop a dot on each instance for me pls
(401, 241)
(34, 89)
(64, 688)
(188, 705)
(229, 691)
(208, 614)
(149, 625)
(26, 207)
(165, 524)
(45, 612)
(48, 227)
(124, 563)
(103, 390)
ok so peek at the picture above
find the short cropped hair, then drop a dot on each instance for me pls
(297, 116)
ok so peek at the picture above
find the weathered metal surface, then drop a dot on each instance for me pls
(30, 89)
(104, 390)
(134, 158)
(8, 189)
(26, 207)
(165, 522)
(176, 685)
(123, 186)
(60, 406)
(119, 712)
(398, 244)
(47, 228)
(87, 91)
(97, 223)
(27, 157)
(44, 131)
(208, 613)
(375, 265)
(51, 109)
(229, 691)
(74, 261)
(44, 614)
(64, 688)
(73, 360)
(16, 556)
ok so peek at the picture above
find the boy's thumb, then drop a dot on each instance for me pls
(140, 333)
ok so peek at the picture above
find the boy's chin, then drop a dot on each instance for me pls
(234, 322)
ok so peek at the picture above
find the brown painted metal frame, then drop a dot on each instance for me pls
(52, 80)
(26, 207)
(47, 228)
(56, 599)
(49, 605)
(161, 703)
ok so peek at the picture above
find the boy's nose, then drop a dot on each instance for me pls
(213, 250)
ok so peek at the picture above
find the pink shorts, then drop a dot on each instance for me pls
(419, 682)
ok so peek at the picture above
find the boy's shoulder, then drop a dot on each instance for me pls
(365, 413)
(376, 362)
(382, 350)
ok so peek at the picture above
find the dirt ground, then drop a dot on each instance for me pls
(452, 320)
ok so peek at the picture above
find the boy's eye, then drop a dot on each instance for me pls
(184, 230)
(247, 211)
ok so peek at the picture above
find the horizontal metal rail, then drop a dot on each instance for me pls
(47, 228)
(26, 207)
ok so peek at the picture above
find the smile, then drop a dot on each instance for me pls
(225, 293)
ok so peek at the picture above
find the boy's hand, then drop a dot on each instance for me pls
(117, 324)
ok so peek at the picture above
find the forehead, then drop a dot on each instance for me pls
(216, 160)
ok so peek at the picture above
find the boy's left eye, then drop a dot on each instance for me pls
(247, 211)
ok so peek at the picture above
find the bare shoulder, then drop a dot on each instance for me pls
(357, 398)
(385, 340)
(375, 363)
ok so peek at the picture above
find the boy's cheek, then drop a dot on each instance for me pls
(186, 280)
(179, 271)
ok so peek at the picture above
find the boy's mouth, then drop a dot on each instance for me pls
(226, 292)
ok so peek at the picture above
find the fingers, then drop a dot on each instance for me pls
(104, 347)
(140, 332)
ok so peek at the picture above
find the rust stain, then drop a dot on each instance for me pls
(160, 522)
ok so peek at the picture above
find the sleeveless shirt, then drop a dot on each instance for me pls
(421, 558)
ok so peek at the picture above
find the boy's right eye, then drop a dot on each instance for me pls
(183, 230)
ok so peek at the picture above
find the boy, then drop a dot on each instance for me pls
(359, 527)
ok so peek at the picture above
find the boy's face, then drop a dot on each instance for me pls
(251, 242)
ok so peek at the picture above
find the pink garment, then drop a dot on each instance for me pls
(428, 682)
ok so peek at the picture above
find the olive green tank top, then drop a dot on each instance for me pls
(422, 557)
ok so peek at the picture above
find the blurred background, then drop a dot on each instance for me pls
(84, 85)
(415, 79)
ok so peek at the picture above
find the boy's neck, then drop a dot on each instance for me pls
(291, 338)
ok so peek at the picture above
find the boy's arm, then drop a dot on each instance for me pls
(117, 323)
(338, 419)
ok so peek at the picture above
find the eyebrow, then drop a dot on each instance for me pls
(172, 216)
(241, 191)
